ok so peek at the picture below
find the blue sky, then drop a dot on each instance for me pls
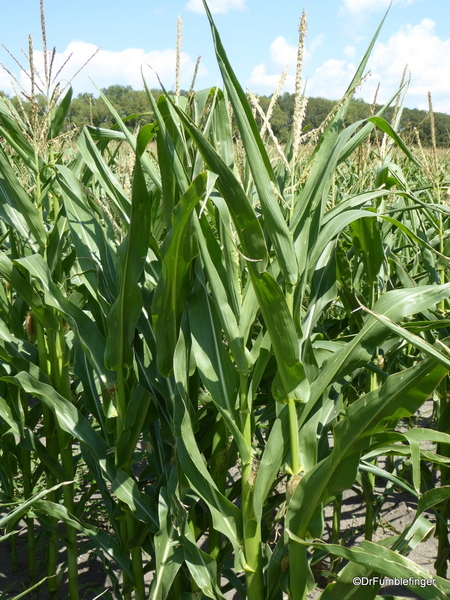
(260, 37)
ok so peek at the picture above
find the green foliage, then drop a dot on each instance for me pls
(218, 341)
(132, 105)
(86, 109)
(318, 109)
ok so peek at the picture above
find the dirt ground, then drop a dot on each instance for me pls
(397, 512)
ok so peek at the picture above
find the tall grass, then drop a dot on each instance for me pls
(220, 351)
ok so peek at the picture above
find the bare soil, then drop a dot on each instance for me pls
(397, 511)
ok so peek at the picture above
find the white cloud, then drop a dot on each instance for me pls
(418, 46)
(427, 57)
(366, 6)
(261, 80)
(282, 54)
(5, 82)
(350, 51)
(123, 67)
(331, 79)
(315, 43)
(216, 6)
(428, 60)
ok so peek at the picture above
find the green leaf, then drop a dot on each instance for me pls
(384, 126)
(12, 193)
(201, 566)
(323, 288)
(345, 589)
(213, 362)
(168, 551)
(85, 329)
(387, 563)
(172, 156)
(14, 515)
(245, 220)
(10, 273)
(147, 164)
(8, 417)
(127, 308)
(142, 506)
(104, 174)
(271, 461)
(74, 423)
(101, 538)
(281, 328)
(367, 241)
(11, 214)
(173, 288)
(397, 481)
(258, 159)
(310, 203)
(395, 305)
(427, 348)
(365, 130)
(432, 497)
(93, 253)
(14, 130)
(28, 590)
(58, 114)
(135, 416)
(210, 252)
(226, 517)
(401, 395)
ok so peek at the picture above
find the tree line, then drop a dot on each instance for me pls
(318, 109)
(133, 105)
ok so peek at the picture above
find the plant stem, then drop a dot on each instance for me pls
(25, 463)
(129, 525)
(252, 528)
(293, 419)
(60, 376)
(136, 561)
(293, 431)
(336, 530)
(441, 250)
(52, 448)
(123, 536)
(121, 402)
(368, 485)
(444, 508)
(71, 534)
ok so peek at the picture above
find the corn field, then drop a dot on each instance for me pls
(202, 351)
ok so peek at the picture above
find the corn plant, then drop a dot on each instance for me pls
(213, 324)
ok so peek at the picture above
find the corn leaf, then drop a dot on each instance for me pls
(173, 286)
(263, 176)
(127, 308)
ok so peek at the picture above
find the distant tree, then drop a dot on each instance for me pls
(357, 110)
(286, 104)
(81, 110)
(88, 109)
(317, 110)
